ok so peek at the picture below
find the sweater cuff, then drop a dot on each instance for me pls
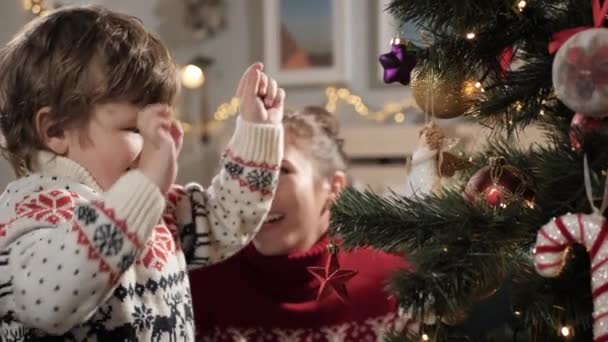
(261, 143)
(138, 201)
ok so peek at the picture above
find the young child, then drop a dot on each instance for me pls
(94, 239)
(278, 288)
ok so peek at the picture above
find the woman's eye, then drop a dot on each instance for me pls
(284, 170)
(134, 130)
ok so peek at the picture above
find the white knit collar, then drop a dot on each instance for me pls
(48, 163)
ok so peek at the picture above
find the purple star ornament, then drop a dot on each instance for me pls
(398, 63)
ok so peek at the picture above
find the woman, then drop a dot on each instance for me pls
(291, 283)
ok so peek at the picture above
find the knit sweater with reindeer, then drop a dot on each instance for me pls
(79, 264)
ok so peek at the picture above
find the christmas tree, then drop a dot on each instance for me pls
(475, 245)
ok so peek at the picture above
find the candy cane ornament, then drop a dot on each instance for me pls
(552, 243)
(589, 230)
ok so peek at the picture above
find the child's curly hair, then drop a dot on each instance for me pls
(71, 60)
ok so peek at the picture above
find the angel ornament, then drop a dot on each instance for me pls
(431, 162)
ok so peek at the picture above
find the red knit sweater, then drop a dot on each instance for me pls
(252, 297)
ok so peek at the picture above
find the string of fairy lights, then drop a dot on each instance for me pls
(334, 96)
(36, 7)
(395, 110)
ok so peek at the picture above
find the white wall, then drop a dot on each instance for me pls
(12, 18)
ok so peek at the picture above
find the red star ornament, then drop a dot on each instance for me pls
(332, 277)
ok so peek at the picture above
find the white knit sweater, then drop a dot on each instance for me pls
(89, 265)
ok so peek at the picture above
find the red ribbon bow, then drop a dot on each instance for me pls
(505, 59)
(599, 16)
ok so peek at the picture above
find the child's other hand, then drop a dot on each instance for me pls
(261, 100)
(163, 137)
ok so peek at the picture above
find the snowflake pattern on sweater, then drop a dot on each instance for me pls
(371, 330)
(79, 264)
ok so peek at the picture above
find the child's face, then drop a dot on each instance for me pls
(296, 219)
(109, 144)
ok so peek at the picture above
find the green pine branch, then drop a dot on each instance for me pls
(459, 251)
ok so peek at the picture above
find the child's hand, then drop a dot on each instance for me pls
(163, 138)
(261, 100)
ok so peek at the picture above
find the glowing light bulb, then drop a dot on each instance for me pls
(565, 331)
(471, 35)
(192, 76)
(399, 117)
(521, 5)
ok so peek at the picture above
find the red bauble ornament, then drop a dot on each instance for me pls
(581, 125)
(499, 185)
